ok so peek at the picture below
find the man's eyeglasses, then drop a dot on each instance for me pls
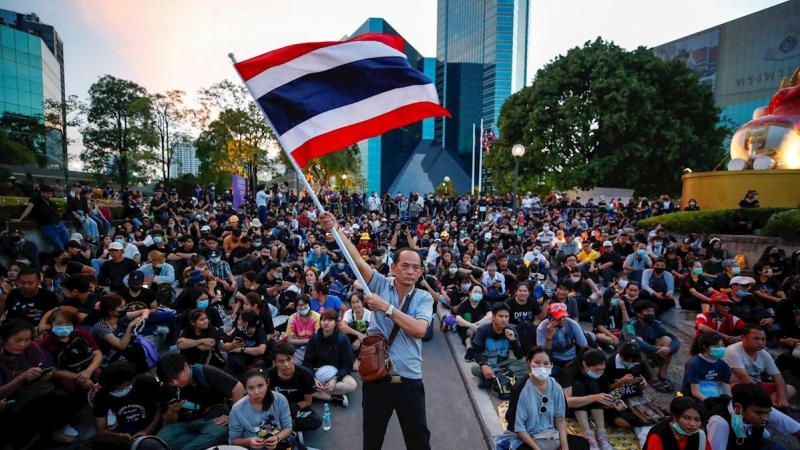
(543, 408)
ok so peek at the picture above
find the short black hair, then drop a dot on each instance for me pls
(500, 306)
(641, 305)
(76, 282)
(117, 372)
(748, 394)
(284, 348)
(747, 328)
(170, 366)
(250, 317)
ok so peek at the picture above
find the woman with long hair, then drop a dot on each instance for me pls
(199, 342)
(113, 330)
(609, 319)
(683, 429)
(355, 324)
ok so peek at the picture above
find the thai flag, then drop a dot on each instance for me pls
(324, 96)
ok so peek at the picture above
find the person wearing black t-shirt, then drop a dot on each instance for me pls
(200, 342)
(522, 307)
(249, 345)
(296, 383)
(28, 301)
(113, 271)
(61, 268)
(132, 398)
(76, 291)
(42, 210)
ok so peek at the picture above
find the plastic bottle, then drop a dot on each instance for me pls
(326, 418)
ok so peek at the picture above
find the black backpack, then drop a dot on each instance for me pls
(76, 357)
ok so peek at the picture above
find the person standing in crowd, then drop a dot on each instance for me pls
(403, 391)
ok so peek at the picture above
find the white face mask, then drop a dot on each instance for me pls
(541, 373)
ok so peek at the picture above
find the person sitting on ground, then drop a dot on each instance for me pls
(330, 356)
(470, 315)
(74, 351)
(61, 268)
(262, 418)
(113, 330)
(321, 300)
(195, 403)
(199, 343)
(746, 306)
(740, 422)
(132, 398)
(637, 262)
(354, 324)
(537, 410)
(722, 280)
(682, 430)
(28, 301)
(142, 298)
(751, 363)
(113, 272)
(695, 289)
(493, 345)
(626, 375)
(609, 318)
(657, 344)
(296, 383)
(248, 346)
(587, 392)
(766, 288)
(561, 335)
(706, 374)
(659, 286)
(301, 326)
(718, 319)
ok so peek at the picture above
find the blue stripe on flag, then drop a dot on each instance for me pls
(313, 94)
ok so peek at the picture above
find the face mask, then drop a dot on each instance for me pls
(741, 293)
(64, 260)
(697, 270)
(202, 304)
(476, 297)
(593, 375)
(541, 373)
(640, 253)
(629, 366)
(737, 423)
(717, 352)
(575, 279)
(62, 331)
(241, 328)
(614, 302)
(716, 260)
(157, 239)
(649, 318)
(121, 241)
(122, 392)
(257, 244)
(304, 312)
(135, 289)
(159, 265)
(658, 270)
(680, 430)
(465, 286)
(280, 224)
(736, 270)
(623, 283)
(453, 270)
(215, 259)
(767, 273)
(340, 265)
(546, 228)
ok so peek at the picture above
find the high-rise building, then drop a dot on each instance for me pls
(481, 52)
(743, 60)
(184, 160)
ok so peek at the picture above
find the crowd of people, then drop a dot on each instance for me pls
(205, 324)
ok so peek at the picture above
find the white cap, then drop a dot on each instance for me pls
(294, 289)
(742, 280)
(608, 244)
(77, 237)
(356, 227)
(116, 246)
(205, 228)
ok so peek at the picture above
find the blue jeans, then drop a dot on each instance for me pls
(103, 225)
(262, 214)
(166, 318)
(57, 234)
(136, 221)
(89, 228)
(198, 434)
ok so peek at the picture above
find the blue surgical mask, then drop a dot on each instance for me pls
(476, 297)
(62, 330)
(158, 239)
(215, 260)
(121, 241)
(737, 424)
(640, 253)
(680, 430)
(453, 270)
(202, 304)
(304, 311)
(741, 293)
(593, 375)
(697, 270)
(717, 352)
(736, 270)
(629, 366)
(340, 265)
(614, 302)
(257, 244)
(122, 392)
(241, 328)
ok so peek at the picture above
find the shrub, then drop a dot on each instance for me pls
(706, 222)
(12, 207)
(785, 225)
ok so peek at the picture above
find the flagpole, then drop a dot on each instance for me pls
(472, 179)
(307, 186)
(480, 163)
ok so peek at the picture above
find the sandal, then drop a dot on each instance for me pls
(659, 386)
(667, 384)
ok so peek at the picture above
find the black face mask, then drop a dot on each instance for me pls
(136, 289)
(659, 270)
(649, 318)
(64, 260)
(237, 233)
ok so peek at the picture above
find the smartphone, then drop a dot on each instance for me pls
(47, 370)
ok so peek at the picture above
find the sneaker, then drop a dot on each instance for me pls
(340, 400)
(68, 431)
(589, 436)
(111, 420)
(484, 383)
(468, 357)
(603, 441)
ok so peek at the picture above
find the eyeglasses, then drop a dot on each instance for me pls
(543, 408)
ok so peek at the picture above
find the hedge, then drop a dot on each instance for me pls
(785, 225)
(708, 222)
(12, 207)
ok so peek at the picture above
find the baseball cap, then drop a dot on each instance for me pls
(687, 241)
(630, 349)
(742, 280)
(136, 279)
(233, 219)
(115, 246)
(719, 297)
(255, 223)
(216, 253)
(557, 310)
(608, 244)
(77, 237)
(205, 228)
(196, 277)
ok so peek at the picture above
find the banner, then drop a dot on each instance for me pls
(239, 190)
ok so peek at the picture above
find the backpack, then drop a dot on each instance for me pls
(76, 357)
(503, 383)
(149, 443)
(149, 350)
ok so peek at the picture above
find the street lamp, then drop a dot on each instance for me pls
(518, 151)
(446, 180)
(344, 181)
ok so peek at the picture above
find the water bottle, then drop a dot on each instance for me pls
(326, 418)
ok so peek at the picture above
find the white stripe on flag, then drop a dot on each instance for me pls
(357, 112)
(318, 61)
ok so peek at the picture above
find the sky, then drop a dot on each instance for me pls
(183, 44)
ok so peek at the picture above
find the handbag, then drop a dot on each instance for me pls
(375, 363)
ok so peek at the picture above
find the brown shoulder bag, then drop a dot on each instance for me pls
(375, 362)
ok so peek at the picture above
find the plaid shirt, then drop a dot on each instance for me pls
(220, 270)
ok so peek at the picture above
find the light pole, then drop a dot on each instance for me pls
(344, 181)
(518, 150)
(446, 180)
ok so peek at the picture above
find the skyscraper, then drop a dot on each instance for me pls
(184, 160)
(481, 52)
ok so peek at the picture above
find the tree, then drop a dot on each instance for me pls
(13, 152)
(29, 132)
(603, 116)
(117, 136)
(167, 113)
(60, 117)
(345, 161)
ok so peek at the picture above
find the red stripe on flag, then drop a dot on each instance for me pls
(254, 66)
(346, 136)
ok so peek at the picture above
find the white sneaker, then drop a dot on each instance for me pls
(603, 440)
(111, 420)
(590, 436)
(70, 432)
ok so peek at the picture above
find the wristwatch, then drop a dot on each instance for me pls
(389, 312)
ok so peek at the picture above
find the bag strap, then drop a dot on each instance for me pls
(396, 328)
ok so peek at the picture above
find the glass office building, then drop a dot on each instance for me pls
(743, 60)
(481, 52)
